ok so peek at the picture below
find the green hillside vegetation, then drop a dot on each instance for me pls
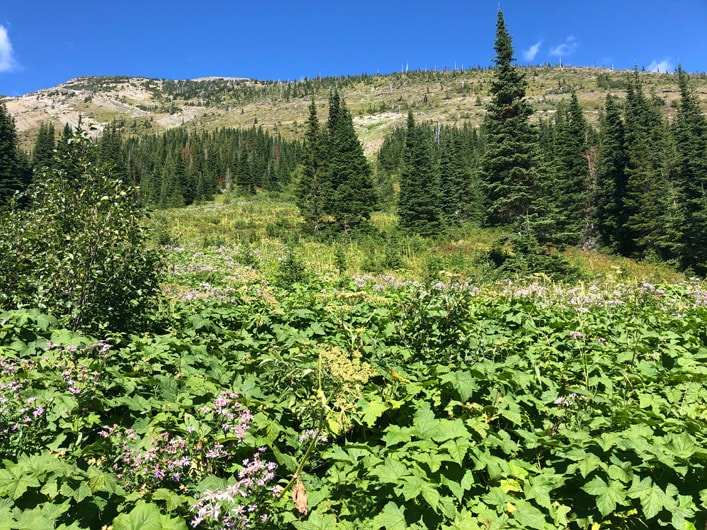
(454, 300)
(379, 102)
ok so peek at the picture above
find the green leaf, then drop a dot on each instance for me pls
(433, 459)
(607, 495)
(457, 449)
(450, 429)
(538, 488)
(392, 517)
(528, 516)
(391, 471)
(143, 517)
(147, 517)
(317, 521)
(172, 499)
(34, 520)
(372, 410)
(682, 445)
(395, 434)
(462, 381)
(14, 481)
(101, 481)
(424, 422)
(653, 499)
(415, 485)
(587, 464)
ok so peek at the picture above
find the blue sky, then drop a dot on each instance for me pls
(46, 42)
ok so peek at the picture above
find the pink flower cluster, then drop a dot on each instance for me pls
(165, 459)
(79, 378)
(309, 435)
(240, 504)
(233, 417)
(21, 416)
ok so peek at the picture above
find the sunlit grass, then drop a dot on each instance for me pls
(263, 229)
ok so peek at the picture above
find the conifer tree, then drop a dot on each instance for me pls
(110, 149)
(510, 162)
(13, 176)
(308, 191)
(44, 145)
(690, 133)
(460, 197)
(645, 200)
(570, 185)
(349, 192)
(171, 190)
(611, 179)
(419, 200)
(244, 174)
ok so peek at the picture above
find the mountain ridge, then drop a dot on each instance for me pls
(379, 103)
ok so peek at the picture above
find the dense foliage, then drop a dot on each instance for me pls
(376, 403)
(75, 245)
(285, 392)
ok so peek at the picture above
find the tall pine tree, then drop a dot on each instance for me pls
(645, 201)
(570, 202)
(349, 192)
(460, 195)
(690, 132)
(612, 180)
(44, 145)
(419, 201)
(510, 161)
(14, 176)
(308, 190)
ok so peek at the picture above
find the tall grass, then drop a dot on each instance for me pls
(261, 231)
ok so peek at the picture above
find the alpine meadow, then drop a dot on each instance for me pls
(455, 299)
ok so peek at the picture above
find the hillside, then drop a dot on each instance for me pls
(379, 103)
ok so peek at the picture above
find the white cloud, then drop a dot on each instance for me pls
(664, 66)
(531, 52)
(566, 48)
(7, 59)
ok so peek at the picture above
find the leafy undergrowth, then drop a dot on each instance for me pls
(367, 403)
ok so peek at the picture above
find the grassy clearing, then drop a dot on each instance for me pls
(269, 226)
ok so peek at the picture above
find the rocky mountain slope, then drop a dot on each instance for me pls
(378, 103)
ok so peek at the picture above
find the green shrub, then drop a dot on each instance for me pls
(291, 270)
(521, 254)
(77, 246)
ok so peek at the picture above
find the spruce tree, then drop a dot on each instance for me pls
(110, 149)
(309, 187)
(645, 201)
(419, 201)
(244, 173)
(690, 132)
(349, 191)
(570, 185)
(510, 161)
(44, 145)
(12, 174)
(460, 194)
(611, 179)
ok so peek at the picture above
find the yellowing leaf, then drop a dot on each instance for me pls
(510, 484)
